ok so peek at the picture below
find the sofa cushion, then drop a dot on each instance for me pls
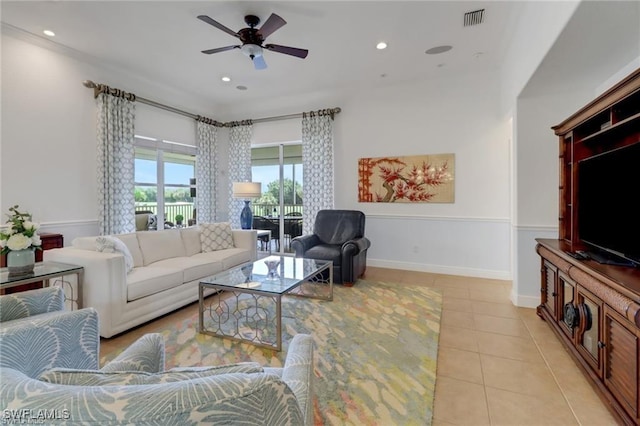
(158, 245)
(192, 268)
(131, 241)
(216, 236)
(66, 376)
(107, 244)
(191, 240)
(143, 282)
(229, 257)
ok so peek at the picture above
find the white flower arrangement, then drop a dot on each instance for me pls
(20, 234)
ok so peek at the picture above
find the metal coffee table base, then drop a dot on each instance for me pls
(253, 316)
(256, 319)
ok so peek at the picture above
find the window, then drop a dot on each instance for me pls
(162, 173)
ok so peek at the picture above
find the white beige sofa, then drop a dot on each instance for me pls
(156, 273)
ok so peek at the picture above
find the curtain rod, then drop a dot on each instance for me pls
(91, 85)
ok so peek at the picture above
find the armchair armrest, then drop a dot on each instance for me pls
(145, 355)
(298, 373)
(356, 245)
(30, 303)
(61, 339)
(303, 243)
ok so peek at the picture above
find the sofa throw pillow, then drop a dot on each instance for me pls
(114, 245)
(215, 236)
(67, 376)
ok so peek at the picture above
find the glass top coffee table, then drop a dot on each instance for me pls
(250, 309)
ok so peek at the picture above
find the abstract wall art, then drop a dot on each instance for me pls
(411, 179)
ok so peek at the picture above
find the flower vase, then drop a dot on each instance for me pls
(21, 262)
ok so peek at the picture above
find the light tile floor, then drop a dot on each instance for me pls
(497, 364)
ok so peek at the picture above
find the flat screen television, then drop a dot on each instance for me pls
(609, 204)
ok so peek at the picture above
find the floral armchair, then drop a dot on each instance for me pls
(49, 367)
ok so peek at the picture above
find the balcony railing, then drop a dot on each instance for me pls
(170, 210)
(274, 210)
(186, 210)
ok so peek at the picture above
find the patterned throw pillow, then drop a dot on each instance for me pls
(66, 376)
(114, 245)
(215, 236)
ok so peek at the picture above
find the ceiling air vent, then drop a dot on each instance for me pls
(474, 18)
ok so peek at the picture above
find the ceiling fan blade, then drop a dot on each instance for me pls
(259, 62)
(220, 49)
(272, 24)
(218, 25)
(287, 50)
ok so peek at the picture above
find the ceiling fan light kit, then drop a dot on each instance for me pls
(252, 39)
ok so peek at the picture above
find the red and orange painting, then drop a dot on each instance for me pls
(412, 179)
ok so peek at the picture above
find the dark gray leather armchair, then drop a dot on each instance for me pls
(338, 235)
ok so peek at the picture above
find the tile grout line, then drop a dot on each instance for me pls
(553, 374)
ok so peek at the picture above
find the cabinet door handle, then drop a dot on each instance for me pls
(554, 294)
(601, 344)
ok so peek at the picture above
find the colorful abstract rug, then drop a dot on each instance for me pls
(376, 347)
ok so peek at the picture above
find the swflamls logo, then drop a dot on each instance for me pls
(31, 416)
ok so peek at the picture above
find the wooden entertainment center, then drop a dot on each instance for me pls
(594, 308)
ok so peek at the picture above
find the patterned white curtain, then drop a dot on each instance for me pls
(116, 161)
(239, 165)
(317, 163)
(206, 167)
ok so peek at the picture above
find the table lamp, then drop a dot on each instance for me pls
(246, 191)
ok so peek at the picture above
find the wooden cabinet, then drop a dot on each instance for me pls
(621, 361)
(609, 122)
(594, 308)
(596, 314)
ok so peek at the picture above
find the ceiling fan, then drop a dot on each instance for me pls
(253, 38)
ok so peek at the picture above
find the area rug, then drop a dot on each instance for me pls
(376, 347)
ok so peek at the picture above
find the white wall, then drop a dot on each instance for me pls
(448, 115)
(538, 26)
(48, 136)
(537, 167)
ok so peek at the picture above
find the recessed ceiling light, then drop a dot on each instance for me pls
(49, 33)
(438, 49)
(226, 79)
(381, 45)
(241, 87)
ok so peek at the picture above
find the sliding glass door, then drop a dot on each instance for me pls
(279, 169)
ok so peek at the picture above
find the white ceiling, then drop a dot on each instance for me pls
(162, 40)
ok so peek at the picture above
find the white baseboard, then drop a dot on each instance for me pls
(439, 269)
(525, 301)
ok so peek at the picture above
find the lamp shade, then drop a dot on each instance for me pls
(246, 190)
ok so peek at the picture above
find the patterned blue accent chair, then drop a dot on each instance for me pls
(49, 367)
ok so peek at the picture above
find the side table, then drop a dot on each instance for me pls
(49, 241)
(264, 236)
(45, 272)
